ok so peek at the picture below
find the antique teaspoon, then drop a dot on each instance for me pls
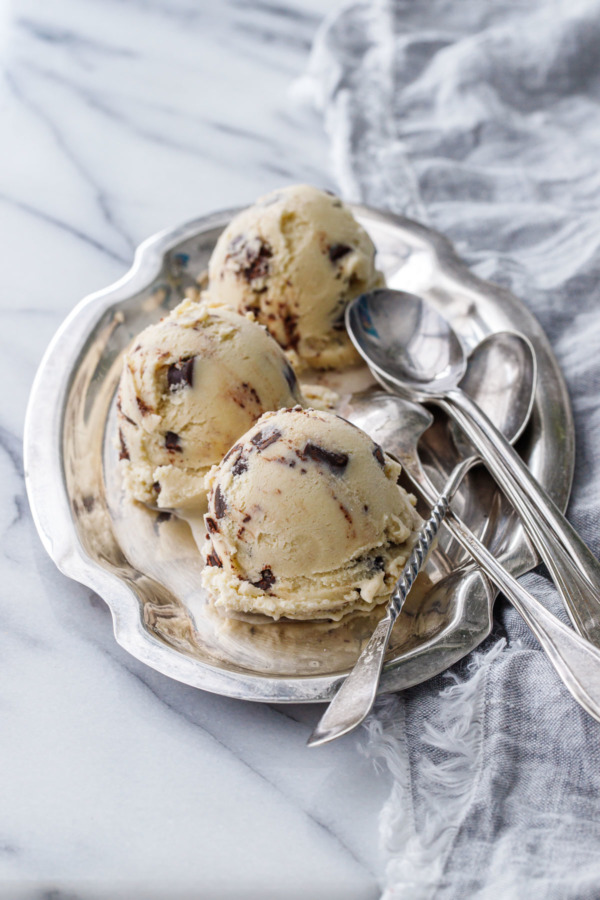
(500, 362)
(408, 345)
(576, 661)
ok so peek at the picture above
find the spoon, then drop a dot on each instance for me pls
(576, 661)
(410, 346)
(498, 362)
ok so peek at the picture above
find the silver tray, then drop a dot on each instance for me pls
(146, 567)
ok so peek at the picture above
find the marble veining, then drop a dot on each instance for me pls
(120, 119)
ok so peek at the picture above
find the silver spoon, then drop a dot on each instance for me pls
(501, 362)
(576, 661)
(409, 345)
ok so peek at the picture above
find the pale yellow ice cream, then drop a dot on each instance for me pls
(191, 385)
(306, 520)
(294, 260)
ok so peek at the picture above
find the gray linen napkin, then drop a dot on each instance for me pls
(482, 119)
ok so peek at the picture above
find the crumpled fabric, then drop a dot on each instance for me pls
(482, 120)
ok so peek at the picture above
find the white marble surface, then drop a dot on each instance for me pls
(119, 119)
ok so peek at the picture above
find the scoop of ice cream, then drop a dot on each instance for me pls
(294, 260)
(306, 520)
(191, 385)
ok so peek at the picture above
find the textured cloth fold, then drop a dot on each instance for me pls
(483, 120)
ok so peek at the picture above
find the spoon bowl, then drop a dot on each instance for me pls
(406, 341)
(501, 377)
(409, 345)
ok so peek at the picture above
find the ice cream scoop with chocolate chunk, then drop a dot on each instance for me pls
(306, 520)
(191, 385)
(294, 260)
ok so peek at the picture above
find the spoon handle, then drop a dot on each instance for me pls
(354, 699)
(572, 566)
(356, 695)
(575, 659)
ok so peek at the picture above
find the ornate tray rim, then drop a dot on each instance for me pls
(50, 503)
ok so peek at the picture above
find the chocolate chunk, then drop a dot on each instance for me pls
(250, 390)
(213, 559)
(246, 518)
(219, 502)
(156, 487)
(346, 513)
(181, 373)
(337, 251)
(290, 327)
(163, 516)
(267, 580)
(120, 411)
(378, 454)
(173, 442)
(261, 440)
(290, 377)
(250, 258)
(88, 503)
(232, 451)
(124, 452)
(379, 563)
(257, 257)
(285, 461)
(240, 465)
(143, 406)
(337, 462)
(211, 524)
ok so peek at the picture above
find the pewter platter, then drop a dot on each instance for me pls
(146, 566)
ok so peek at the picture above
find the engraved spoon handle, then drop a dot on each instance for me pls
(576, 660)
(353, 701)
(572, 566)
